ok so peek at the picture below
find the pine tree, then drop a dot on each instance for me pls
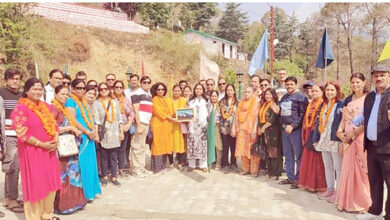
(232, 25)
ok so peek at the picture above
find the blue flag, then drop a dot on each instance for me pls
(260, 55)
(325, 52)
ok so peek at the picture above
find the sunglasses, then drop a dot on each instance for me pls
(66, 83)
(222, 84)
(210, 84)
(92, 85)
(79, 88)
(118, 87)
(146, 82)
(103, 89)
(110, 79)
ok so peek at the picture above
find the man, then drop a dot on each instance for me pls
(56, 77)
(10, 164)
(81, 75)
(293, 106)
(67, 80)
(377, 141)
(210, 86)
(255, 84)
(307, 87)
(133, 85)
(264, 85)
(182, 84)
(221, 88)
(110, 80)
(281, 77)
(203, 83)
(142, 103)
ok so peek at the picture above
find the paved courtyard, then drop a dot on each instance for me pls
(197, 195)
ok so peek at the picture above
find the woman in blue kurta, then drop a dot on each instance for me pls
(87, 151)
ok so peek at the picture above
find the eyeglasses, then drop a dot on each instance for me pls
(110, 79)
(103, 89)
(221, 84)
(79, 88)
(92, 85)
(146, 82)
(210, 84)
(118, 87)
(66, 83)
(263, 84)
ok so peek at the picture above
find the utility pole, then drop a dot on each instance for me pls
(272, 46)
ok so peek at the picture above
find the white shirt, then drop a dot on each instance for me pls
(220, 96)
(49, 93)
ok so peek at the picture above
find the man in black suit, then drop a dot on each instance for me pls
(377, 141)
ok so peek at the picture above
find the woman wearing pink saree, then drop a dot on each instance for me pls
(37, 134)
(353, 190)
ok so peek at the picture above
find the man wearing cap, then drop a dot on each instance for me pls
(376, 120)
(308, 89)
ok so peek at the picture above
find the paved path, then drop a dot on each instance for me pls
(198, 195)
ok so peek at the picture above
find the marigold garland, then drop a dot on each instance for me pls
(64, 111)
(322, 124)
(107, 114)
(263, 110)
(121, 105)
(229, 112)
(81, 106)
(241, 118)
(310, 118)
(44, 114)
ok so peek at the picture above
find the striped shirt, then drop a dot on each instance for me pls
(10, 100)
(144, 99)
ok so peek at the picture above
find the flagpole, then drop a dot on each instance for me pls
(325, 69)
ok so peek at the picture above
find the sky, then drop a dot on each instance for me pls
(255, 11)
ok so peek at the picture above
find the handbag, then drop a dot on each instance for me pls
(258, 150)
(132, 129)
(67, 145)
(102, 128)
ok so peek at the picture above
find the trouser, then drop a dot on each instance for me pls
(332, 163)
(170, 158)
(228, 143)
(10, 166)
(292, 151)
(181, 157)
(378, 171)
(157, 163)
(42, 209)
(122, 151)
(107, 155)
(219, 156)
(250, 165)
(192, 163)
(138, 147)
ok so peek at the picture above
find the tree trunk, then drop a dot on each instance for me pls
(374, 52)
(338, 50)
(349, 41)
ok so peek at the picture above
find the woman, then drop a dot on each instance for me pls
(90, 95)
(177, 134)
(197, 136)
(161, 125)
(187, 92)
(311, 173)
(270, 135)
(70, 197)
(108, 117)
(214, 140)
(37, 134)
(80, 110)
(353, 193)
(325, 138)
(244, 128)
(228, 107)
(127, 113)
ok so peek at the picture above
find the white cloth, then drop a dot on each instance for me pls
(201, 110)
(220, 96)
(192, 163)
(49, 93)
(128, 93)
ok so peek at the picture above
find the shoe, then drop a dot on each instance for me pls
(104, 182)
(276, 178)
(243, 173)
(217, 167)
(325, 195)
(332, 198)
(285, 182)
(205, 170)
(190, 169)
(225, 170)
(234, 168)
(116, 182)
(368, 216)
(262, 172)
(294, 185)
(254, 175)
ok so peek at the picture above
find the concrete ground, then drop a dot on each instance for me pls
(197, 195)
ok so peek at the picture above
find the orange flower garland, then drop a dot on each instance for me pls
(264, 110)
(229, 113)
(121, 105)
(111, 109)
(65, 111)
(44, 114)
(310, 118)
(241, 118)
(81, 107)
(322, 124)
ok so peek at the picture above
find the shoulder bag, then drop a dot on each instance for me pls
(67, 145)
(102, 128)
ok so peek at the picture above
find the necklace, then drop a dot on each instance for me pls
(107, 114)
(64, 111)
(263, 110)
(240, 109)
(310, 118)
(229, 112)
(42, 111)
(83, 104)
(322, 124)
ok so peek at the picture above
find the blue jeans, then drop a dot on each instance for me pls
(292, 151)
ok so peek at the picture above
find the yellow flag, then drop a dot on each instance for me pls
(385, 52)
(170, 91)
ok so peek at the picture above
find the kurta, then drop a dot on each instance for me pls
(272, 140)
(197, 136)
(177, 134)
(39, 167)
(161, 126)
(245, 126)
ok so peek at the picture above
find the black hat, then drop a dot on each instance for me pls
(380, 68)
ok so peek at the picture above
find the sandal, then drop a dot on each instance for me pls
(17, 209)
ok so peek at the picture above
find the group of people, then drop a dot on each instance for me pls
(333, 146)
